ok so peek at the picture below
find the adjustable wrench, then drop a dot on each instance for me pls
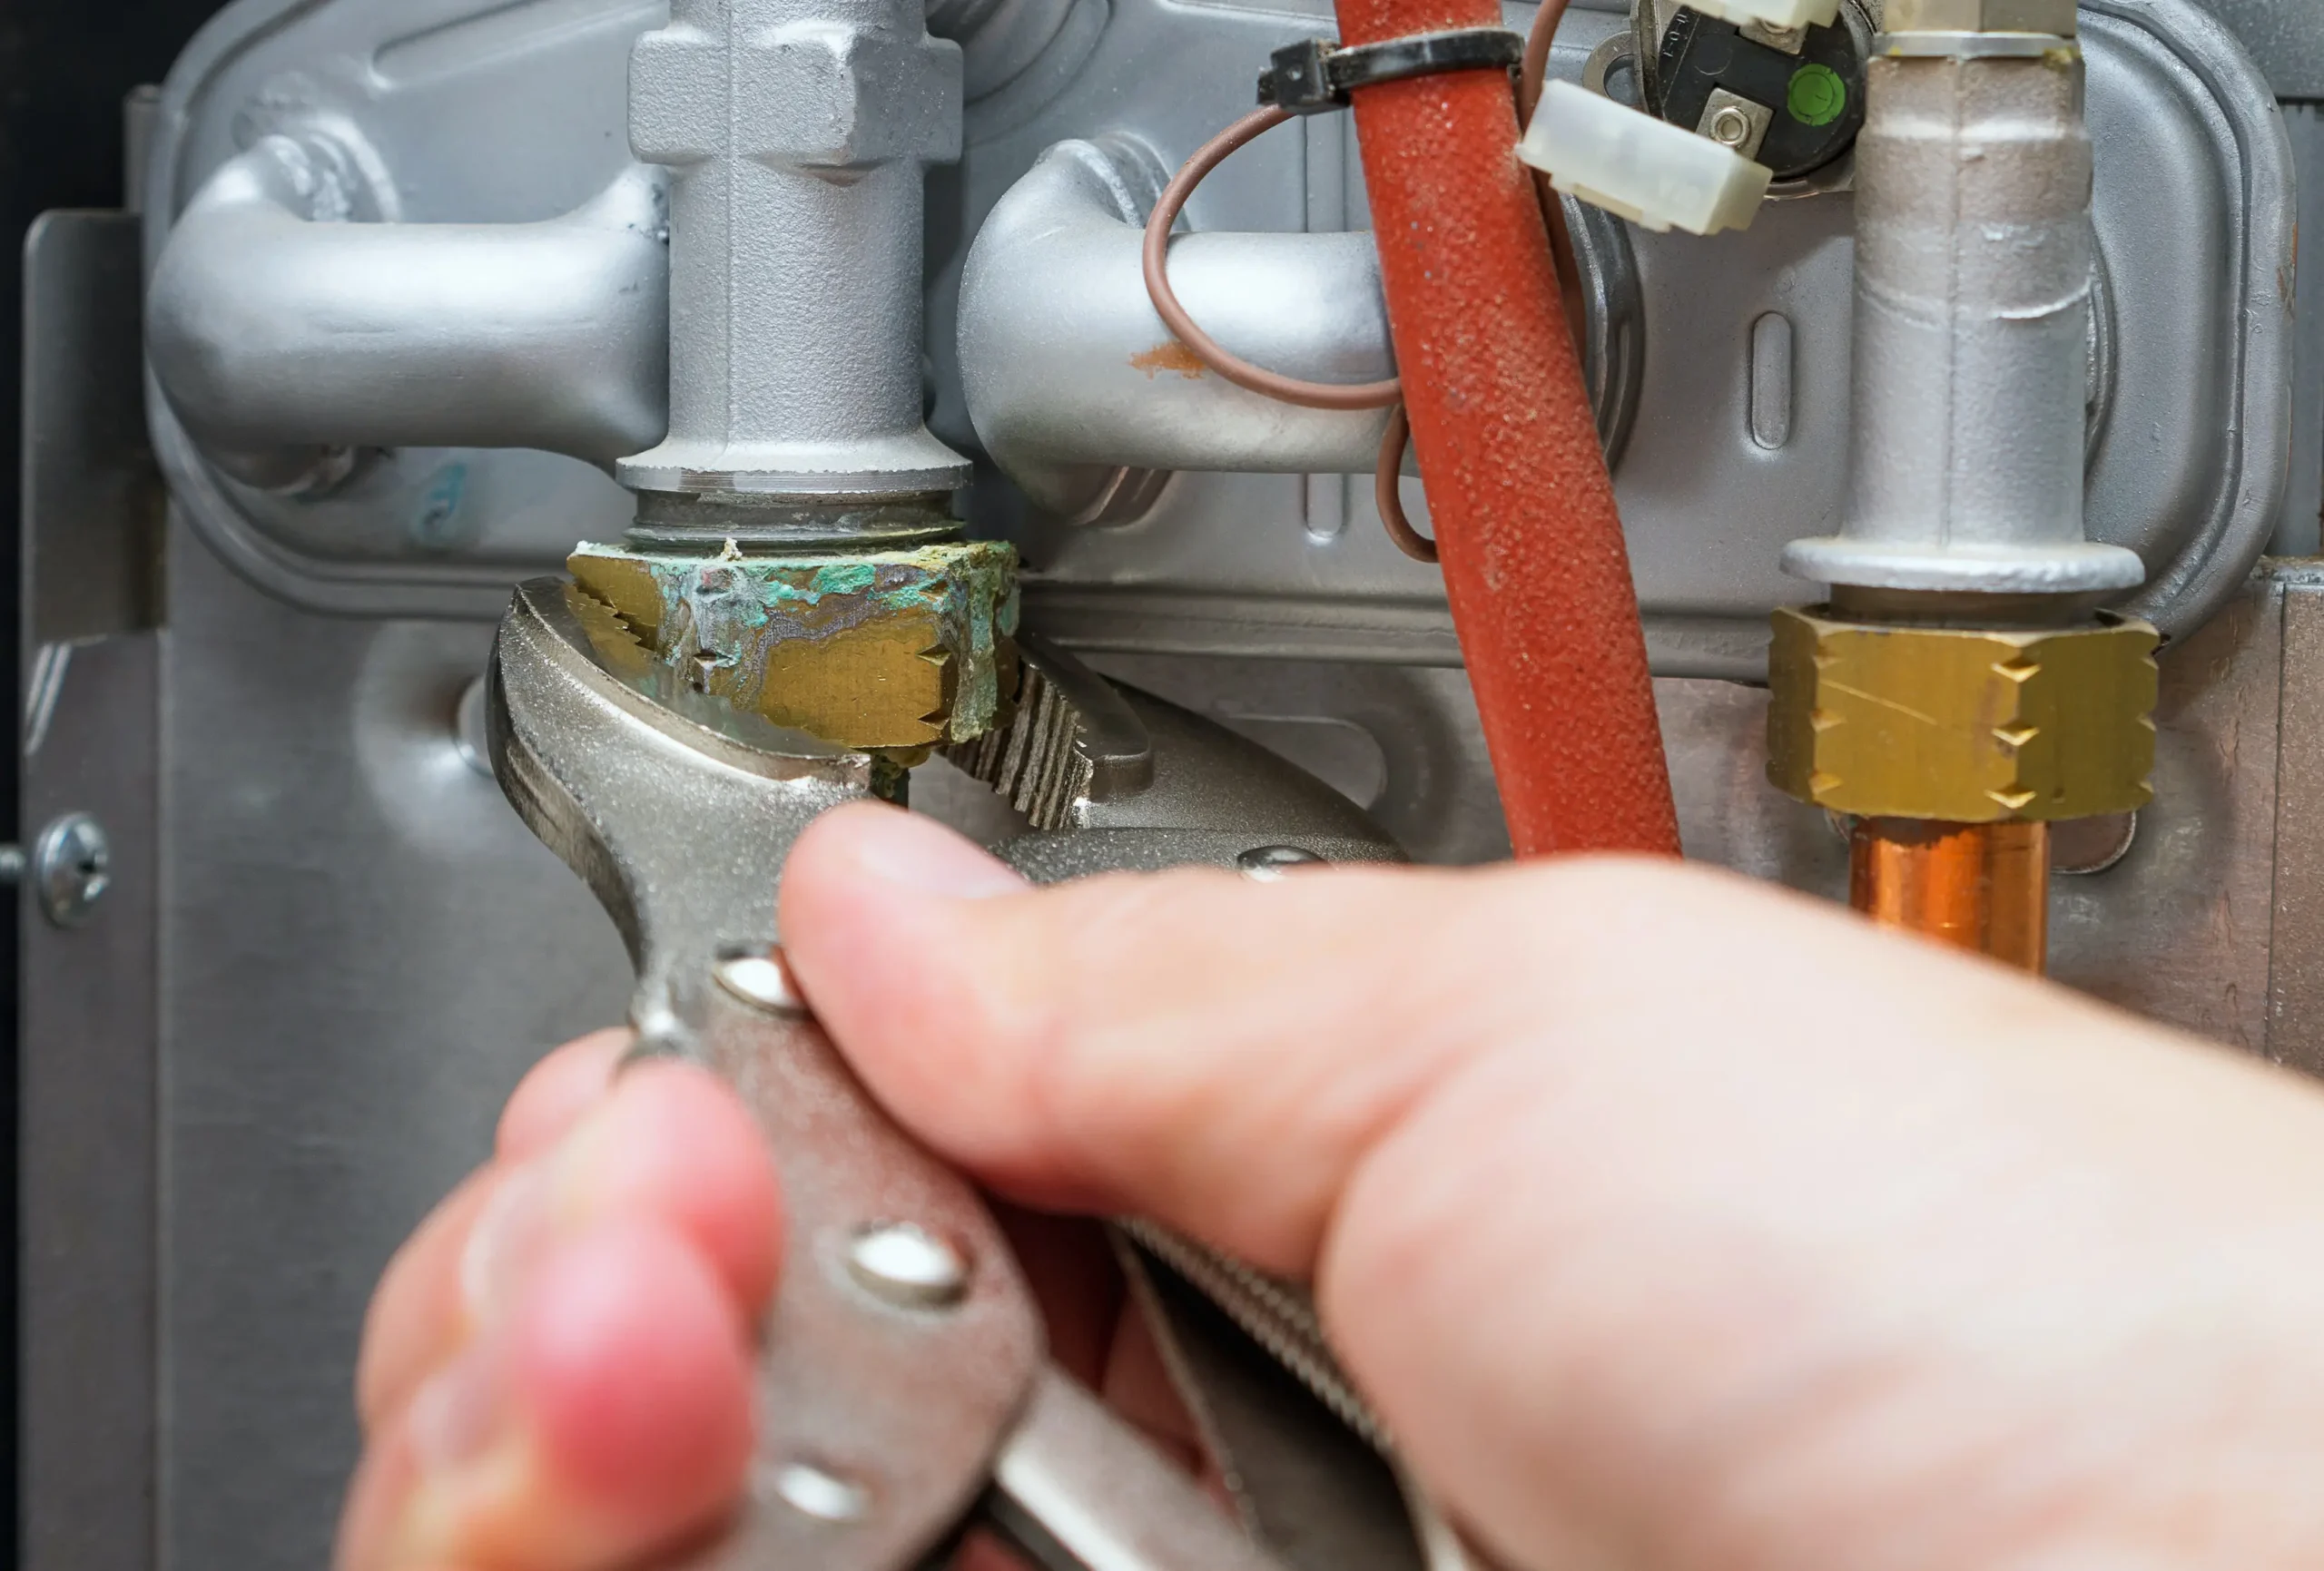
(904, 1389)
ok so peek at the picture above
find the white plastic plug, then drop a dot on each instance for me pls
(1648, 170)
(1784, 14)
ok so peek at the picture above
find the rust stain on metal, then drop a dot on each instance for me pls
(1171, 356)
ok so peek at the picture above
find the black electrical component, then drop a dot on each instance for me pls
(1792, 101)
(1315, 75)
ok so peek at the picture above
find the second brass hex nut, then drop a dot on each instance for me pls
(1965, 725)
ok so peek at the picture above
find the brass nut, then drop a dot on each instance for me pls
(887, 650)
(2055, 17)
(1960, 724)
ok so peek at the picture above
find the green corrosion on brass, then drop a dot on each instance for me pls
(889, 650)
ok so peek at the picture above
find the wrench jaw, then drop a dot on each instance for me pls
(552, 811)
(677, 809)
(893, 1404)
(884, 1396)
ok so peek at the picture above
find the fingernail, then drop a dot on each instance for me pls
(541, 1203)
(515, 1230)
(923, 856)
(460, 1410)
(466, 1452)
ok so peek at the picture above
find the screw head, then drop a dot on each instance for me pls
(72, 869)
(816, 1492)
(1731, 128)
(908, 1266)
(1273, 864)
(760, 978)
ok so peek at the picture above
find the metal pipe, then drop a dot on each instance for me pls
(1070, 373)
(1067, 367)
(1972, 288)
(1984, 887)
(1956, 674)
(797, 132)
(1523, 505)
(275, 336)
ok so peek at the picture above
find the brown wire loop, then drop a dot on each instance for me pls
(1387, 489)
(1208, 349)
(1533, 64)
(1388, 474)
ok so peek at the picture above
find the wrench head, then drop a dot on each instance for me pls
(902, 1343)
(676, 808)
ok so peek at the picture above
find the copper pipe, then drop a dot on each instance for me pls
(1984, 887)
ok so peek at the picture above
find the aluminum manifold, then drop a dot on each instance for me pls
(412, 286)
(1160, 511)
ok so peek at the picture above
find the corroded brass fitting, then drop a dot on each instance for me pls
(1969, 726)
(897, 651)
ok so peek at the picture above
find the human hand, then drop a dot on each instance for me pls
(1670, 1222)
(556, 1368)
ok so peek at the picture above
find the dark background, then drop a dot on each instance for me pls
(65, 65)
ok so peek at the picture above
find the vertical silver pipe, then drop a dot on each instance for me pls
(797, 132)
(1972, 290)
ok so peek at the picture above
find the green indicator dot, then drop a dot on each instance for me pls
(1817, 95)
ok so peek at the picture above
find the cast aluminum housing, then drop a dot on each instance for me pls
(470, 113)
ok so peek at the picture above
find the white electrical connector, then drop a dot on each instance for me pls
(1782, 13)
(1648, 170)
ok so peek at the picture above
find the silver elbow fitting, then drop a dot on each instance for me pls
(1076, 388)
(280, 333)
(1070, 374)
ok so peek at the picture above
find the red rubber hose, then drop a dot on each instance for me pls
(1521, 502)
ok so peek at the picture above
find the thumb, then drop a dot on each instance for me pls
(1668, 1220)
(1184, 1045)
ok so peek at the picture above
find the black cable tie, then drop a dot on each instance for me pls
(1314, 74)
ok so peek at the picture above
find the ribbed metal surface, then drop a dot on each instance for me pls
(1032, 762)
(1277, 1315)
